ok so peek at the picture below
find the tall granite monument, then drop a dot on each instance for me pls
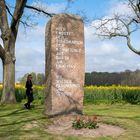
(65, 65)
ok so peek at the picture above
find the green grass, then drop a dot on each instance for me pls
(15, 122)
(126, 116)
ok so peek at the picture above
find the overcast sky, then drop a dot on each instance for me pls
(101, 55)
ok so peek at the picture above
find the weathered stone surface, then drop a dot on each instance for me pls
(64, 65)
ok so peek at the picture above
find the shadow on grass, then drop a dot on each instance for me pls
(19, 111)
(22, 114)
(118, 117)
(23, 121)
(14, 112)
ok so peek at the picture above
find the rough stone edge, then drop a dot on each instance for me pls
(74, 110)
(70, 15)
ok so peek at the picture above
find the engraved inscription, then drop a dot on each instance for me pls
(63, 56)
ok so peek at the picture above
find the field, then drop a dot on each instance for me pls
(93, 94)
(17, 123)
(113, 105)
(112, 94)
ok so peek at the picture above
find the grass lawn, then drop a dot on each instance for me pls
(17, 123)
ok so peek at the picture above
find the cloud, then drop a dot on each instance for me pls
(89, 34)
(116, 19)
(105, 49)
(1, 42)
(110, 24)
(30, 51)
(110, 57)
(101, 55)
(120, 8)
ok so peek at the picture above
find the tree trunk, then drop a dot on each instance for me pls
(8, 93)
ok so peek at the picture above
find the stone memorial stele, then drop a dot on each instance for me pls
(65, 65)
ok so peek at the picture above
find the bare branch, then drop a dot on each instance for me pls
(138, 5)
(131, 47)
(20, 4)
(111, 27)
(3, 20)
(40, 10)
(7, 8)
(135, 7)
(118, 26)
(137, 27)
(24, 23)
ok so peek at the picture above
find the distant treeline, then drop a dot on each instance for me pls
(129, 78)
(37, 78)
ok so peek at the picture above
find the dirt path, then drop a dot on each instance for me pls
(63, 125)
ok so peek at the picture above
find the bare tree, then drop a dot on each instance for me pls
(9, 33)
(121, 25)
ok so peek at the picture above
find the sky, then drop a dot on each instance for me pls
(100, 55)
